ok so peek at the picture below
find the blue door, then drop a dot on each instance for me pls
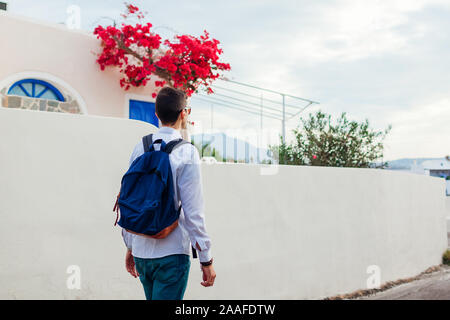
(144, 111)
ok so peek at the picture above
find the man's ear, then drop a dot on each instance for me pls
(182, 115)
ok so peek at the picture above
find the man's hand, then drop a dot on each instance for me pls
(209, 275)
(129, 264)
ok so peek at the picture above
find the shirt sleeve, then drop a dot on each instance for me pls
(191, 195)
(127, 239)
(137, 151)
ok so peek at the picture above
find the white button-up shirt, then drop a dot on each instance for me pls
(185, 165)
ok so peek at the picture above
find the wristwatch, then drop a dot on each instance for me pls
(208, 263)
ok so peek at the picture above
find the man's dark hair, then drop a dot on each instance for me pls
(169, 104)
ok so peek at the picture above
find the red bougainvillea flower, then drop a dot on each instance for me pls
(132, 9)
(187, 62)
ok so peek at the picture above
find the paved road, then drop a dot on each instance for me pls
(435, 286)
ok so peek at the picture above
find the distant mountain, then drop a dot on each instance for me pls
(225, 146)
(407, 163)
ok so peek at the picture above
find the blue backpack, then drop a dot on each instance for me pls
(146, 198)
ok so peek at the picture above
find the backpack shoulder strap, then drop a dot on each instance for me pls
(147, 141)
(172, 145)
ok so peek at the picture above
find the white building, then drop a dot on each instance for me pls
(49, 67)
(439, 168)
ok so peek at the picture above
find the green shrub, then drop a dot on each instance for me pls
(446, 258)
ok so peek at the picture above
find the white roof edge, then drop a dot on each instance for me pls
(46, 24)
(436, 164)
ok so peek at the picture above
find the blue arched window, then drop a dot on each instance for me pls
(34, 88)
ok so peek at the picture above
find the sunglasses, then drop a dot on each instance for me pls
(188, 110)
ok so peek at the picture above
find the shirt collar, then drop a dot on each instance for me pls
(171, 131)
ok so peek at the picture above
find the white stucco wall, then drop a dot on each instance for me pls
(447, 205)
(282, 235)
(66, 58)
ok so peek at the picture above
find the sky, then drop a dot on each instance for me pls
(385, 61)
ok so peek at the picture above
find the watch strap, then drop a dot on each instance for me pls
(208, 263)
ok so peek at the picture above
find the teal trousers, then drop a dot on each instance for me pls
(164, 278)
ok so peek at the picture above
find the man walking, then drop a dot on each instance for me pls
(162, 265)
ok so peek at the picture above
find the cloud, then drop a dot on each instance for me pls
(423, 131)
(342, 31)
